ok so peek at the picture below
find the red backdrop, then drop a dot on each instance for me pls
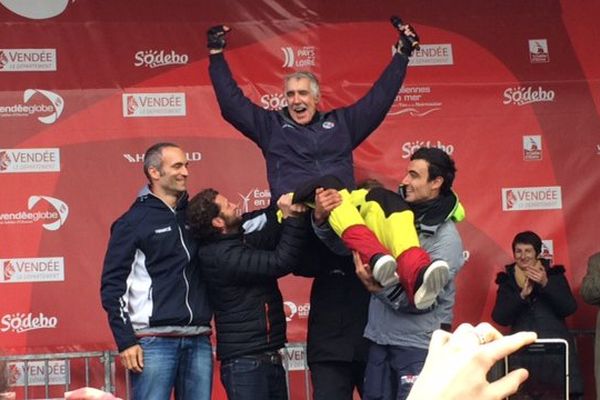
(510, 90)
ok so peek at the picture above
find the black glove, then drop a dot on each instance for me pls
(408, 43)
(215, 37)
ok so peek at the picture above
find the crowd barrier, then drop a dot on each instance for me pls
(48, 376)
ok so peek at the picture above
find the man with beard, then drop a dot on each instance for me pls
(241, 257)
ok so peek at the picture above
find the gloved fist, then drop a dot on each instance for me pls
(409, 40)
(215, 37)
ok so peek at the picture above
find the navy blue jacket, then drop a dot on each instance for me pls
(296, 153)
(150, 283)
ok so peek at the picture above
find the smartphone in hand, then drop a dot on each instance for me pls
(547, 361)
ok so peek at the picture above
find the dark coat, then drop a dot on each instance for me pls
(338, 307)
(544, 311)
(243, 290)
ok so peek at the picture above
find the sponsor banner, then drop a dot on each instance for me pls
(538, 51)
(521, 96)
(532, 148)
(44, 269)
(432, 54)
(254, 199)
(299, 57)
(17, 60)
(51, 107)
(293, 310)
(137, 158)
(52, 218)
(154, 105)
(408, 148)
(415, 101)
(159, 58)
(532, 198)
(294, 357)
(37, 373)
(29, 160)
(25, 322)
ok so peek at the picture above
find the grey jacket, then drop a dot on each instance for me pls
(395, 322)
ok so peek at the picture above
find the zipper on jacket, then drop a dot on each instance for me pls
(185, 279)
(268, 322)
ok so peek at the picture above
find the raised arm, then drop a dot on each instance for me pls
(236, 108)
(366, 114)
(239, 262)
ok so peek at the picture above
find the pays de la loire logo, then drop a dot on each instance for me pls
(36, 9)
(300, 57)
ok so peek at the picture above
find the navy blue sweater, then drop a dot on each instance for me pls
(297, 153)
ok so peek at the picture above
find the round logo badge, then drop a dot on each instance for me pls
(328, 124)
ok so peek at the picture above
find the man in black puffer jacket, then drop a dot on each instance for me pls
(241, 258)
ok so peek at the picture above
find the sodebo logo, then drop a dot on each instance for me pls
(36, 9)
(274, 102)
(522, 96)
(21, 322)
(156, 58)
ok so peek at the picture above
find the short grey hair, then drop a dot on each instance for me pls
(314, 82)
(153, 157)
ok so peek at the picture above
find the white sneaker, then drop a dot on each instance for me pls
(384, 270)
(435, 278)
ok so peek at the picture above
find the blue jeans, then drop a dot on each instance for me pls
(391, 371)
(248, 378)
(182, 363)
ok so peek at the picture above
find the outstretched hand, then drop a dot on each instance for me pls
(215, 38)
(457, 364)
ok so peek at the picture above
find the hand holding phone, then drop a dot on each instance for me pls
(546, 360)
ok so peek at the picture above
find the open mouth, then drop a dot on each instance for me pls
(299, 110)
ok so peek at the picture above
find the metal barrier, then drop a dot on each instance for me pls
(48, 376)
